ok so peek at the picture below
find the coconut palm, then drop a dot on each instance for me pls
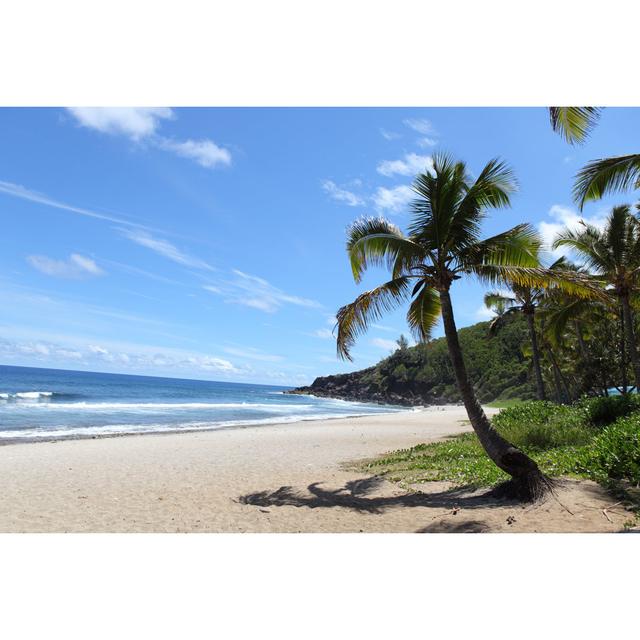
(443, 244)
(613, 255)
(598, 177)
(573, 123)
(523, 300)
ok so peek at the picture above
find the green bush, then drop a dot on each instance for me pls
(543, 425)
(604, 411)
(615, 451)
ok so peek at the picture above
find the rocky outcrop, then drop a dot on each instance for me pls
(356, 387)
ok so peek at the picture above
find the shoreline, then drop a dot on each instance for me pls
(291, 477)
(223, 427)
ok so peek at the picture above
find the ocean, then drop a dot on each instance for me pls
(49, 404)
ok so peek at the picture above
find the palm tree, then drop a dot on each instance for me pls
(525, 301)
(573, 123)
(598, 177)
(613, 255)
(443, 245)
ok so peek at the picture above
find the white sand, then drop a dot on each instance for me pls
(195, 482)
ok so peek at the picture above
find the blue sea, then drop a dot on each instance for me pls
(48, 404)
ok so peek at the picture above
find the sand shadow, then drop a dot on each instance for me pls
(355, 495)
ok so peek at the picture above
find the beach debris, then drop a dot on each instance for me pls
(511, 520)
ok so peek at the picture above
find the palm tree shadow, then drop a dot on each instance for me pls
(355, 495)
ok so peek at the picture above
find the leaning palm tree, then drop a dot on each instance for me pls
(522, 300)
(443, 245)
(613, 255)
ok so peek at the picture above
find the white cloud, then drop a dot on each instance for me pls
(257, 293)
(384, 344)
(426, 142)
(76, 266)
(411, 165)
(382, 327)
(205, 152)
(165, 248)
(389, 135)
(421, 125)
(134, 122)
(484, 313)
(342, 195)
(142, 124)
(393, 200)
(565, 217)
(325, 334)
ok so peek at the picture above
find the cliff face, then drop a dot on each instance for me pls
(422, 375)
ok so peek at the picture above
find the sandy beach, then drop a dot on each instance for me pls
(293, 477)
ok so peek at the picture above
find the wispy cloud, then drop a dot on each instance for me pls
(484, 313)
(18, 191)
(565, 217)
(205, 152)
(421, 125)
(384, 344)
(410, 165)
(165, 249)
(142, 124)
(77, 266)
(390, 135)
(426, 142)
(342, 195)
(392, 200)
(252, 354)
(325, 334)
(382, 327)
(257, 293)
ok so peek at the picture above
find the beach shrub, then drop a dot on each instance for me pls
(540, 425)
(615, 452)
(604, 411)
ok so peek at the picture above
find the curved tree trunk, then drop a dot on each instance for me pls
(528, 482)
(535, 354)
(631, 340)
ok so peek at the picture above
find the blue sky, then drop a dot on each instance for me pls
(209, 243)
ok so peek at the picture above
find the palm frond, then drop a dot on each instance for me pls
(378, 242)
(575, 283)
(517, 247)
(607, 175)
(573, 123)
(423, 313)
(587, 241)
(495, 299)
(353, 319)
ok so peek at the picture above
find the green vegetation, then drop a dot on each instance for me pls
(588, 439)
(585, 317)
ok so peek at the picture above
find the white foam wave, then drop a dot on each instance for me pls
(60, 432)
(165, 406)
(26, 395)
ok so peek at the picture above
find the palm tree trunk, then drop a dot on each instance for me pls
(631, 340)
(623, 353)
(527, 482)
(535, 355)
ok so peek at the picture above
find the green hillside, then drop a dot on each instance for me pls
(423, 374)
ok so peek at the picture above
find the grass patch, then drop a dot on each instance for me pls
(563, 440)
